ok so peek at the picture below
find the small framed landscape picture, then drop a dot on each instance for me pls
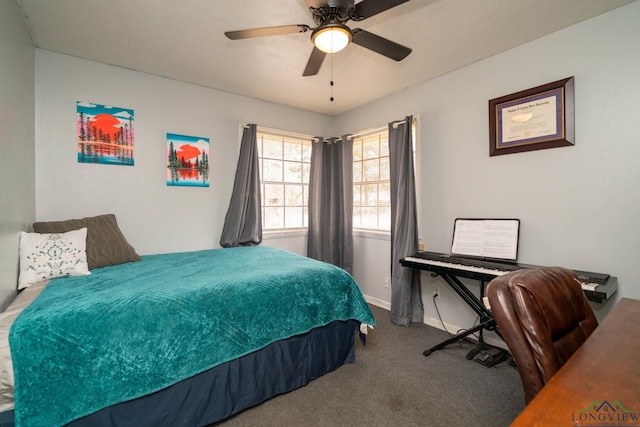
(187, 161)
(105, 134)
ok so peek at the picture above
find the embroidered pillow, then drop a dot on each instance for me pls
(47, 256)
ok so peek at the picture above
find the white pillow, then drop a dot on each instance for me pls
(47, 256)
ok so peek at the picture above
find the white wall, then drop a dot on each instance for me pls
(17, 117)
(579, 205)
(371, 266)
(155, 218)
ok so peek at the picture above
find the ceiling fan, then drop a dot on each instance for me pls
(331, 34)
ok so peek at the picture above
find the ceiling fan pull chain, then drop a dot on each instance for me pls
(331, 99)
(331, 82)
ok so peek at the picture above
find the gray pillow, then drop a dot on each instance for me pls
(106, 245)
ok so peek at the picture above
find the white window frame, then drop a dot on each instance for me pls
(377, 139)
(378, 232)
(286, 137)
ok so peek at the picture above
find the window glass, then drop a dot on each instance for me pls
(284, 179)
(371, 181)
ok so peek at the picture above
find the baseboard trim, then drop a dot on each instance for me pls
(377, 302)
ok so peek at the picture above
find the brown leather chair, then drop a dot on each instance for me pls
(544, 317)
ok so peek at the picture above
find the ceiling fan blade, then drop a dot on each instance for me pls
(267, 31)
(314, 63)
(367, 8)
(379, 44)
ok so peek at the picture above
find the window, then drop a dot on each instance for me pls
(371, 180)
(371, 185)
(285, 163)
(284, 179)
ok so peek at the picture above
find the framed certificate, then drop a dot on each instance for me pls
(533, 119)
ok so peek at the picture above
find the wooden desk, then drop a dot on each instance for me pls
(605, 371)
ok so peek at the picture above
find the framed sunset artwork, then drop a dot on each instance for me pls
(105, 134)
(187, 161)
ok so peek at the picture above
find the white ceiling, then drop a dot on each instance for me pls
(184, 40)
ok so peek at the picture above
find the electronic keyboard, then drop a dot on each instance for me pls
(485, 270)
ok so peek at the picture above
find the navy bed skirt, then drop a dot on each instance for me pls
(233, 386)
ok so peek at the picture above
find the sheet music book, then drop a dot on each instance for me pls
(486, 238)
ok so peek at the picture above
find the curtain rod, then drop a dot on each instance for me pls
(395, 125)
(401, 122)
(331, 139)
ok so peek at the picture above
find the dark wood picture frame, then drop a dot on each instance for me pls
(533, 119)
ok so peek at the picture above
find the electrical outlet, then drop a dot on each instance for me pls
(436, 293)
(386, 282)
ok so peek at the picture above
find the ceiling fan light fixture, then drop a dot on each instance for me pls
(331, 38)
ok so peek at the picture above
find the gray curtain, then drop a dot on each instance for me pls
(406, 292)
(243, 222)
(331, 202)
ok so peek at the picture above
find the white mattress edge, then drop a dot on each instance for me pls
(7, 317)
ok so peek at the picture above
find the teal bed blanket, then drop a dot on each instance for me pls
(132, 329)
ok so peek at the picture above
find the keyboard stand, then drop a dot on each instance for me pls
(486, 318)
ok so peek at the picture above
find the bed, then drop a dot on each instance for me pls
(178, 339)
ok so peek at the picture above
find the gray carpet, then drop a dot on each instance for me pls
(393, 384)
